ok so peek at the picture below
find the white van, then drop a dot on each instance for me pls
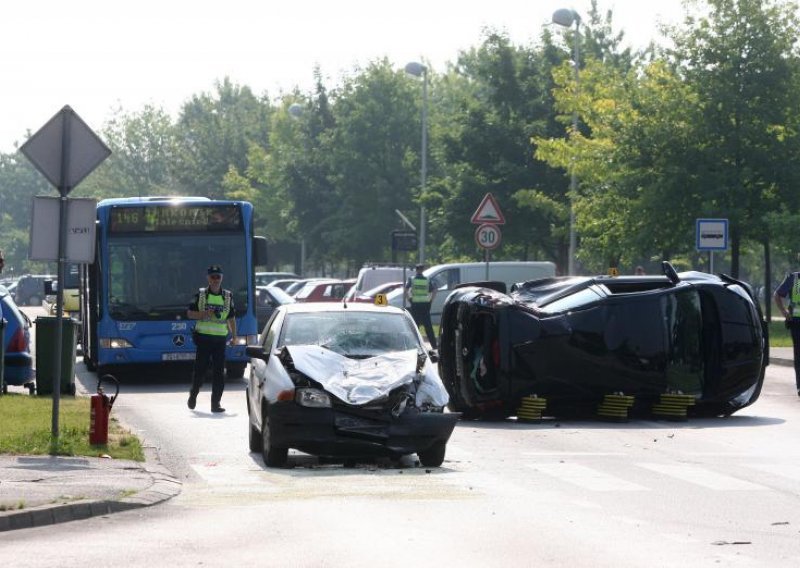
(445, 277)
(371, 276)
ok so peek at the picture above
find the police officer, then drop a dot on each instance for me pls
(216, 319)
(790, 289)
(420, 294)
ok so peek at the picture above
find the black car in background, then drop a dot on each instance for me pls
(268, 299)
(574, 340)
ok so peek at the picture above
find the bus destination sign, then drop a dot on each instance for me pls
(176, 219)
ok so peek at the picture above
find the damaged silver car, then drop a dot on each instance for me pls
(345, 381)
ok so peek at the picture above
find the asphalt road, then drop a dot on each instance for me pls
(722, 492)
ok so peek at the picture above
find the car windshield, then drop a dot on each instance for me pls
(351, 333)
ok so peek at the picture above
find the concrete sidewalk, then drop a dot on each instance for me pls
(43, 490)
(781, 356)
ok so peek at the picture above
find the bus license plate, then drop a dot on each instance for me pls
(177, 356)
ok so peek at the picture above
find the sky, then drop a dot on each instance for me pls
(99, 56)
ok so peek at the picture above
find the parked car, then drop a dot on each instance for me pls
(295, 287)
(323, 291)
(373, 275)
(268, 298)
(30, 290)
(283, 284)
(348, 382)
(369, 295)
(447, 277)
(264, 278)
(572, 341)
(17, 340)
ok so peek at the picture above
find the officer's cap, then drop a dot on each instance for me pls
(214, 269)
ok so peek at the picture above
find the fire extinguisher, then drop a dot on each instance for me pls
(99, 410)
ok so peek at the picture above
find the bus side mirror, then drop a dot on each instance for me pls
(259, 251)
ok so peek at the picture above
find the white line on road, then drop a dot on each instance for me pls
(544, 454)
(789, 471)
(703, 477)
(586, 477)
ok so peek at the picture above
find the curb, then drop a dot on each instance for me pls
(165, 486)
(781, 362)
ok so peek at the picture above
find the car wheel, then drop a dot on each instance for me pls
(273, 457)
(433, 456)
(254, 438)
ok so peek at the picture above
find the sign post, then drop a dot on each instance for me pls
(712, 235)
(65, 150)
(487, 216)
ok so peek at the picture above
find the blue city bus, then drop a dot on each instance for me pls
(151, 258)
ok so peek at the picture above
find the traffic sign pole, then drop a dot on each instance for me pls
(65, 150)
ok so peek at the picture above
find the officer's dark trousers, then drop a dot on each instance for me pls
(421, 312)
(794, 328)
(210, 353)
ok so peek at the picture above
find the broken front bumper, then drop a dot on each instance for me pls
(336, 432)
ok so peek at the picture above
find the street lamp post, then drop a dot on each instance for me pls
(296, 111)
(418, 69)
(565, 17)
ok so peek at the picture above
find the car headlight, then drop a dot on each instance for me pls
(312, 398)
(114, 343)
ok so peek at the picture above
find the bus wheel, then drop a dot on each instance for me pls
(235, 370)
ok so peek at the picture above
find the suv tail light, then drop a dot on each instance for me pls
(18, 342)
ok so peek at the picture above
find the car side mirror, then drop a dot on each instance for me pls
(433, 355)
(256, 352)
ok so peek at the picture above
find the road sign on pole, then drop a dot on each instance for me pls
(488, 212)
(488, 236)
(65, 150)
(712, 234)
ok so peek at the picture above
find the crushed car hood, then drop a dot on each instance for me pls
(360, 381)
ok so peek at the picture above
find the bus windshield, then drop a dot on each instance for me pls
(153, 277)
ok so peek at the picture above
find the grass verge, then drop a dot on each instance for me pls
(26, 424)
(779, 335)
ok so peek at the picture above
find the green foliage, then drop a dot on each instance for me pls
(214, 133)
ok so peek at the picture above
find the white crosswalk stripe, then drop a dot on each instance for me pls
(703, 477)
(586, 477)
(788, 471)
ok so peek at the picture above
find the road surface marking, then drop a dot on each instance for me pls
(586, 477)
(703, 477)
(789, 471)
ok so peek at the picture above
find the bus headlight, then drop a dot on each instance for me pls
(114, 343)
(312, 398)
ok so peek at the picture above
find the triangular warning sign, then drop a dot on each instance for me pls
(488, 212)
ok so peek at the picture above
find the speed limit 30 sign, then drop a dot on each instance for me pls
(488, 236)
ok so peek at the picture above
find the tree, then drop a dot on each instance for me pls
(486, 109)
(214, 133)
(371, 151)
(142, 153)
(739, 59)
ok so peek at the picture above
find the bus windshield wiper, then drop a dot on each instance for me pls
(168, 309)
(126, 311)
